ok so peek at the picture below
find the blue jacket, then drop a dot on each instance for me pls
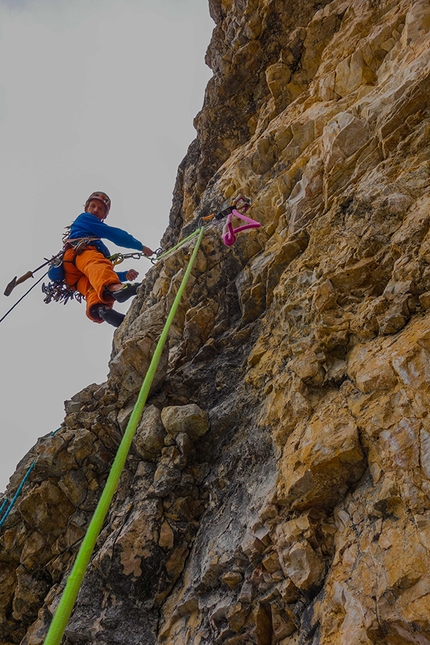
(88, 225)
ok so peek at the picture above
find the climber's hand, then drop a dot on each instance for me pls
(131, 275)
(147, 251)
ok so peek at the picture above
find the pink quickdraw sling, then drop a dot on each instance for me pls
(229, 233)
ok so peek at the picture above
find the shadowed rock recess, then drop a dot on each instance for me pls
(278, 487)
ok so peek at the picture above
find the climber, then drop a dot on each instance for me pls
(86, 263)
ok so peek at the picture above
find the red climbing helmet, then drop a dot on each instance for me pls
(102, 197)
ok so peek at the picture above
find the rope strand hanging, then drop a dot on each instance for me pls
(65, 607)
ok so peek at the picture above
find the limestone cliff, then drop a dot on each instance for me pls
(278, 487)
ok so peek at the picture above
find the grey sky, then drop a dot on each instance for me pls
(96, 95)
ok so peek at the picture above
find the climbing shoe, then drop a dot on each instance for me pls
(110, 316)
(127, 291)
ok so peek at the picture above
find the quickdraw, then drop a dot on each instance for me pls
(238, 209)
(117, 258)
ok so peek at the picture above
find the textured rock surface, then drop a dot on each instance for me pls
(278, 487)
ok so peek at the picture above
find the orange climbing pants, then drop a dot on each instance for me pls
(89, 272)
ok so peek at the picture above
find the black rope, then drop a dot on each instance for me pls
(22, 297)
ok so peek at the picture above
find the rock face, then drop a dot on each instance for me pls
(278, 487)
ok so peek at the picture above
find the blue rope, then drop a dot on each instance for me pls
(15, 497)
(3, 505)
(20, 487)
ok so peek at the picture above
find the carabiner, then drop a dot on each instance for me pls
(117, 258)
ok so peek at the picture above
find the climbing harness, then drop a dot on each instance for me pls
(74, 581)
(58, 290)
(78, 243)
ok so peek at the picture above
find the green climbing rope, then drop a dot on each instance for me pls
(178, 245)
(65, 607)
